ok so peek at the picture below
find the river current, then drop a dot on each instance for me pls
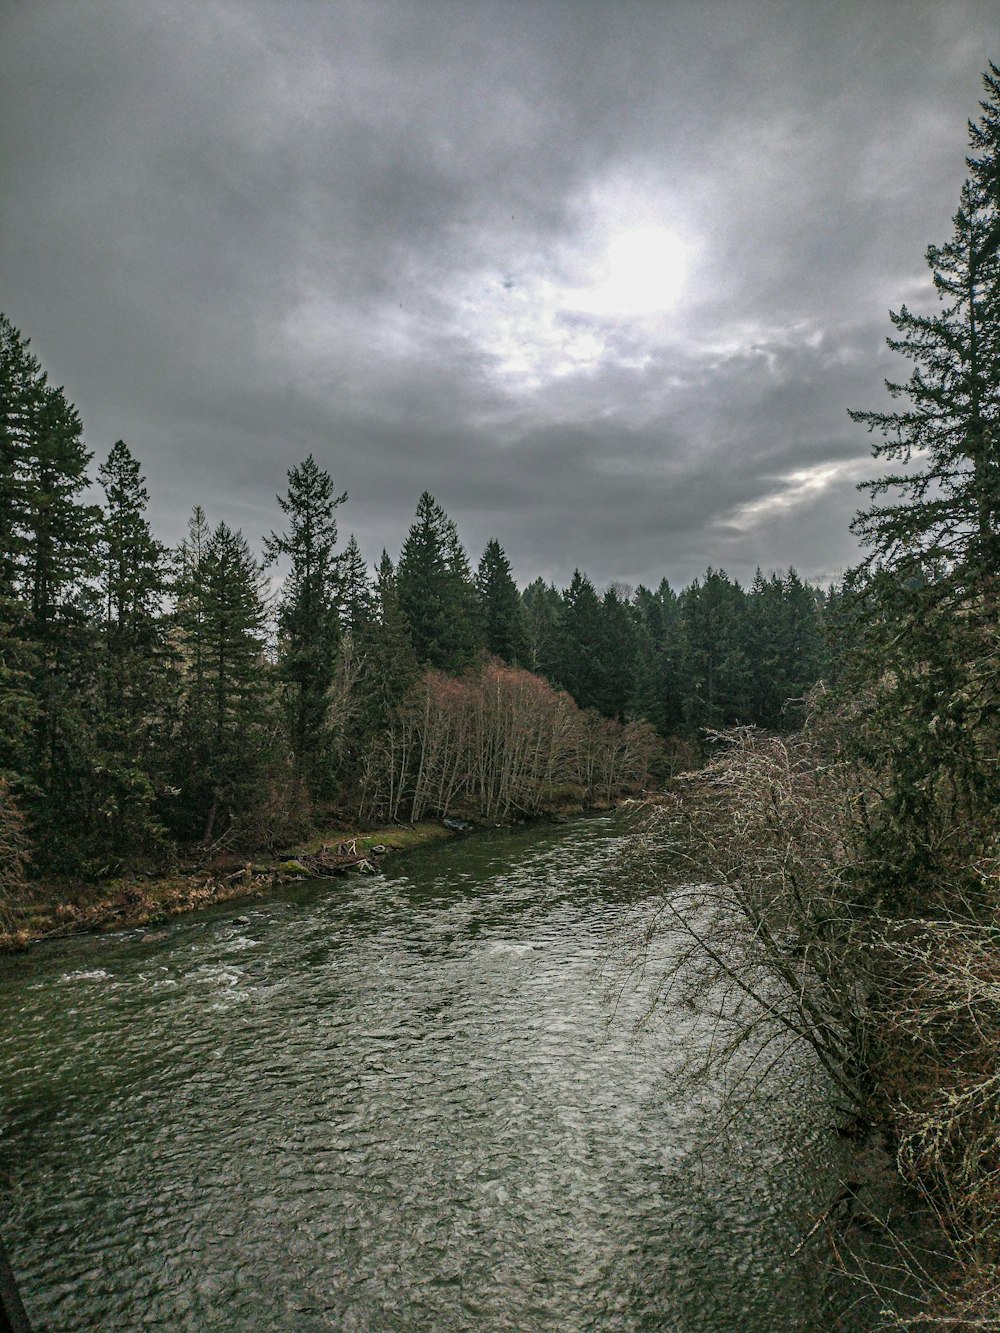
(410, 1101)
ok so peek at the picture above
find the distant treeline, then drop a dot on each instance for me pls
(153, 699)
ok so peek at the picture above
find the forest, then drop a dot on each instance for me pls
(156, 701)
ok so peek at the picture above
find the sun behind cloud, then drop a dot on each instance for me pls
(606, 294)
(640, 273)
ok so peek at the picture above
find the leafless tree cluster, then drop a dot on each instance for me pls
(941, 1073)
(779, 939)
(499, 742)
(766, 936)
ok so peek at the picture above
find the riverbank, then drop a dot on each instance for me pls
(58, 909)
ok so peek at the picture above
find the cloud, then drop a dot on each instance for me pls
(404, 237)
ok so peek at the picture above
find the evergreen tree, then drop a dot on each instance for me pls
(500, 611)
(226, 741)
(542, 607)
(22, 383)
(21, 378)
(647, 689)
(766, 647)
(581, 666)
(132, 582)
(659, 687)
(235, 620)
(18, 702)
(389, 664)
(357, 602)
(784, 648)
(59, 548)
(134, 713)
(434, 587)
(190, 619)
(308, 617)
(712, 616)
(807, 659)
(617, 654)
(946, 514)
(47, 555)
(923, 605)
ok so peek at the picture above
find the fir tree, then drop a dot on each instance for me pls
(59, 548)
(581, 666)
(134, 714)
(659, 687)
(226, 738)
(20, 379)
(500, 611)
(434, 587)
(357, 601)
(189, 611)
(308, 617)
(946, 514)
(923, 604)
(712, 614)
(47, 555)
(542, 606)
(784, 648)
(617, 654)
(389, 665)
(22, 383)
(132, 581)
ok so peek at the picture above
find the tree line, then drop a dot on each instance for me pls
(152, 698)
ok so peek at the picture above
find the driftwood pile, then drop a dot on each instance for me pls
(337, 858)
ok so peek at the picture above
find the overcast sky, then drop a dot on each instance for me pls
(603, 276)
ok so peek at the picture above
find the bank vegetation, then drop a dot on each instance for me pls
(847, 879)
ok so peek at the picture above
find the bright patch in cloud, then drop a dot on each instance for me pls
(641, 273)
(799, 489)
(606, 295)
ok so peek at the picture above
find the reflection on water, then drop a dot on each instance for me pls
(396, 1103)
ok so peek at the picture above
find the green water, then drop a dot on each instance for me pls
(403, 1102)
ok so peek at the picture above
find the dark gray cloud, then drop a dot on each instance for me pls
(392, 234)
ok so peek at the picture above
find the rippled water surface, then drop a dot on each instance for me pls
(397, 1103)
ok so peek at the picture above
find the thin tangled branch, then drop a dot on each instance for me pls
(778, 941)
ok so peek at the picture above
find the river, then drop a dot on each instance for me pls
(401, 1102)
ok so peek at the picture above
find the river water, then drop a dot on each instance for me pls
(403, 1102)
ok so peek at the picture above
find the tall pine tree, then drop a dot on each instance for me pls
(581, 665)
(500, 611)
(47, 556)
(434, 587)
(924, 603)
(226, 742)
(357, 600)
(20, 378)
(309, 618)
(542, 608)
(136, 696)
